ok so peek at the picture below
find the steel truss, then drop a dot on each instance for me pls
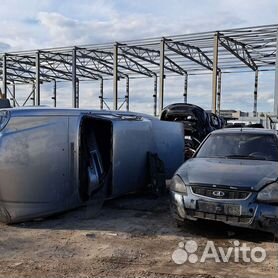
(224, 51)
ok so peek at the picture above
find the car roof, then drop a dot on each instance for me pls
(181, 106)
(245, 130)
(51, 111)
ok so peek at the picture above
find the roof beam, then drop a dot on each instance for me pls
(19, 67)
(100, 65)
(82, 71)
(133, 65)
(190, 52)
(17, 71)
(152, 56)
(46, 67)
(124, 62)
(238, 49)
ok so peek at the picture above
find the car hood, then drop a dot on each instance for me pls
(252, 174)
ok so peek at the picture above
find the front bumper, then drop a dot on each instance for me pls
(252, 214)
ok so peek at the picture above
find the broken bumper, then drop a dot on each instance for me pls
(243, 213)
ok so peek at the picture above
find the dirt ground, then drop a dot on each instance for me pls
(133, 236)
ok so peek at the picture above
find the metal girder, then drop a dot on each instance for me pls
(185, 88)
(4, 76)
(152, 56)
(155, 96)
(47, 76)
(13, 96)
(127, 94)
(38, 80)
(134, 66)
(63, 63)
(73, 79)
(275, 108)
(115, 77)
(27, 64)
(190, 52)
(16, 71)
(215, 72)
(238, 49)
(219, 89)
(101, 93)
(161, 75)
(51, 67)
(13, 77)
(19, 72)
(99, 65)
(124, 62)
(54, 93)
(255, 109)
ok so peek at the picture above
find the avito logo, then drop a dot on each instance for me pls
(236, 253)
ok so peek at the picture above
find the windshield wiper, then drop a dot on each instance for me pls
(235, 156)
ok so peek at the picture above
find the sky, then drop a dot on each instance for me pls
(35, 24)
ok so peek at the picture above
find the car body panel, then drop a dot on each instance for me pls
(41, 157)
(229, 172)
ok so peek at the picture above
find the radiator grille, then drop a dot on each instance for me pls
(219, 193)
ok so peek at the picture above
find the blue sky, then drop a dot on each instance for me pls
(33, 24)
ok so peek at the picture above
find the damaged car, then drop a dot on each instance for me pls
(196, 121)
(53, 160)
(232, 178)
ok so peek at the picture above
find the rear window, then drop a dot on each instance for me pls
(241, 146)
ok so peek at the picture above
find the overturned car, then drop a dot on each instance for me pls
(232, 178)
(52, 160)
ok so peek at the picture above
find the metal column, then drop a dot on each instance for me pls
(4, 76)
(55, 93)
(37, 94)
(155, 96)
(127, 94)
(219, 92)
(161, 75)
(101, 93)
(255, 110)
(185, 88)
(13, 94)
(276, 81)
(77, 93)
(73, 77)
(214, 72)
(33, 94)
(115, 77)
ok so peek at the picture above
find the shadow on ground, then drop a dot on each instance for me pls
(143, 215)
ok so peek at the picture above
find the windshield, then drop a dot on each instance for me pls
(240, 145)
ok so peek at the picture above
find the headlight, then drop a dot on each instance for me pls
(4, 118)
(269, 194)
(178, 185)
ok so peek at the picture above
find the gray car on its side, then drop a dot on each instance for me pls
(232, 178)
(55, 159)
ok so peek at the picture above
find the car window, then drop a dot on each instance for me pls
(240, 145)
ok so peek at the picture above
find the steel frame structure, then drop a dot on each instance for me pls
(242, 49)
